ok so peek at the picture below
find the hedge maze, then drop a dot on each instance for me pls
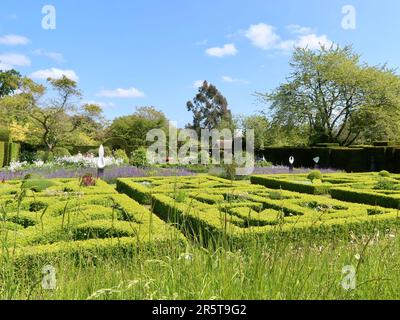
(42, 219)
(377, 189)
(209, 207)
(60, 217)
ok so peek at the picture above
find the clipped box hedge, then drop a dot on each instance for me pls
(367, 196)
(54, 187)
(238, 214)
(382, 156)
(97, 222)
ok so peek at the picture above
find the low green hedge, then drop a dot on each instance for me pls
(45, 228)
(367, 197)
(54, 187)
(274, 183)
(260, 213)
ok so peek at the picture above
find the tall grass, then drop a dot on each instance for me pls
(274, 271)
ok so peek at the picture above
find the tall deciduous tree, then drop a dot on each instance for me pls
(209, 108)
(53, 119)
(133, 128)
(337, 97)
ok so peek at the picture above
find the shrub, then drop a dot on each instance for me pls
(139, 158)
(37, 185)
(264, 164)
(180, 196)
(314, 175)
(37, 206)
(385, 184)
(61, 152)
(93, 232)
(121, 154)
(28, 156)
(46, 156)
(384, 174)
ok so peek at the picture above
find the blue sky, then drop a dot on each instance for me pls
(133, 53)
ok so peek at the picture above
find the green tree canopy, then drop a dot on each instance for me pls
(338, 98)
(209, 108)
(134, 128)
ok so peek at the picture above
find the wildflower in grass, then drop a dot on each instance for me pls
(357, 257)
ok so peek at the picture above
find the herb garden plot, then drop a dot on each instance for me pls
(244, 210)
(97, 224)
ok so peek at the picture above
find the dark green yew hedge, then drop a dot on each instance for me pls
(354, 159)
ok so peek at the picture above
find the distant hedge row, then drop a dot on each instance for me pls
(355, 159)
(9, 151)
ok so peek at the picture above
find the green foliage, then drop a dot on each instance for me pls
(210, 109)
(385, 184)
(60, 152)
(121, 154)
(384, 174)
(131, 130)
(37, 206)
(298, 186)
(337, 97)
(9, 82)
(28, 156)
(71, 225)
(251, 211)
(37, 185)
(45, 155)
(139, 158)
(314, 175)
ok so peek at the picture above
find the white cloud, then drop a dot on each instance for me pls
(101, 104)
(54, 73)
(198, 83)
(58, 57)
(229, 79)
(13, 40)
(263, 36)
(312, 41)
(219, 52)
(10, 60)
(121, 93)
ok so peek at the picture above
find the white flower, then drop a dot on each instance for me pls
(89, 161)
(357, 256)
(15, 165)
